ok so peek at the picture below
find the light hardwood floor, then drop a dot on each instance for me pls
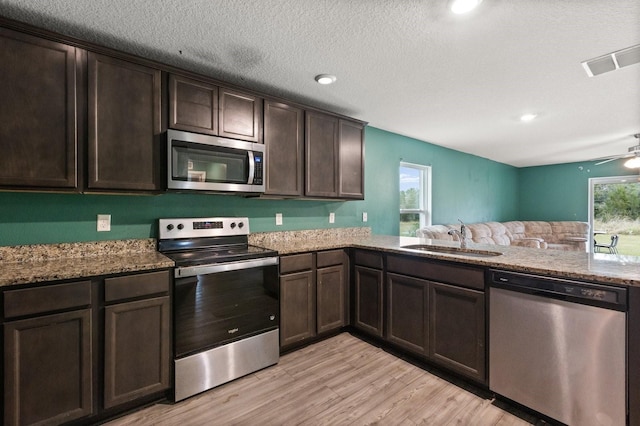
(339, 381)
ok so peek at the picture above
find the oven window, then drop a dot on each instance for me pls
(201, 163)
(214, 309)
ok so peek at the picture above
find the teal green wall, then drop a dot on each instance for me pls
(561, 191)
(464, 186)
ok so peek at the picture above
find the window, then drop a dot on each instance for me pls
(614, 209)
(415, 198)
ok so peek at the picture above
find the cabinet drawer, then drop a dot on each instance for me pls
(452, 274)
(296, 262)
(329, 258)
(368, 258)
(131, 286)
(46, 298)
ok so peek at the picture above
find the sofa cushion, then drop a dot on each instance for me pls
(435, 232)
(569, 235)
(516, 232)
(489, 233)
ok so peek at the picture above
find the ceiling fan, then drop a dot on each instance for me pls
(634, 152)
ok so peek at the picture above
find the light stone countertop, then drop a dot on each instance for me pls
(50, 262)
(40, 263)
(599, 267)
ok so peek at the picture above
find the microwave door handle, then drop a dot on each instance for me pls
(251, 167)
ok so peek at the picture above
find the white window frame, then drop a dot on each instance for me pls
(424, 202)
(592, 189)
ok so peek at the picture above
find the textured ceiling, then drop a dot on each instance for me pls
(409, 66)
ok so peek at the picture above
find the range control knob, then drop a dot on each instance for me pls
(180, 226)
(169, 227)
(241, 225)
(233, 225)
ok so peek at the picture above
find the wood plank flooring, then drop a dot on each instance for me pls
(339, 381)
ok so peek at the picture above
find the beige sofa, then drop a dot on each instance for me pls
(565, 235)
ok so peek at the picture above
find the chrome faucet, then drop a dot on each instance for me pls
(461, 234)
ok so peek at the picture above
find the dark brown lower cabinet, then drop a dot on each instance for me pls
(368, 300)
(457, 329)
(297, 307)
(52, 339)
(313, 295)
(408, 313)
(47, 369)
(437, 310)
(136, 350)
(330, 298)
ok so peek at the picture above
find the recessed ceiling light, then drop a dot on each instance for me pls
(325, 78)
(528, 117)
(463, 6)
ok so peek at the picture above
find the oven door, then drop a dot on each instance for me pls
(215, 164)
(215, 308)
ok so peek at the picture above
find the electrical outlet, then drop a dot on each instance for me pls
(104, 222)
(364, 216)
(332, 218)
(278, 219)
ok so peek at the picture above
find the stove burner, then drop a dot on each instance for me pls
(217, 255)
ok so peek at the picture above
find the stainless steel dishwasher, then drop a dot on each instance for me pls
(559, 347)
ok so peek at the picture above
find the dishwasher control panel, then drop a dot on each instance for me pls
(580, 292)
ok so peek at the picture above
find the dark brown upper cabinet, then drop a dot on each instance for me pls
(321, 155)
(351, 160)
(334, 153)
(284, 149)
(240, 115)
(193, 105)
(124, 118)
(38, 136)
(203, 107)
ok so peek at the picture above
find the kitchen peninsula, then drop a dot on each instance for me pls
(108, 263)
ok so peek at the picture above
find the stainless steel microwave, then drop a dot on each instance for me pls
(210, 163)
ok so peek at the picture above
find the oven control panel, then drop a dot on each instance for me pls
(203, 227)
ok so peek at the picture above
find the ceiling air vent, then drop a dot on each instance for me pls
(612, 61)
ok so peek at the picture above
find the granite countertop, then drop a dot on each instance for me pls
(50, 262)
(604, 268)
(600, 267)
(291, 242)
(40, 263)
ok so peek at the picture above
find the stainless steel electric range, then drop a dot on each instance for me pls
(225, 309)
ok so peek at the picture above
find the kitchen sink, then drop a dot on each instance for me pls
(427, 248)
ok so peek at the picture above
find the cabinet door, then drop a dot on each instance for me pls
(297, 307)
(321, 155)
(369, 301)
(457, 329)
(331, 289)
(124, 125)
(283, 139)
(38, 110)
(137, 350)
(408, 313)
(240, 115)
(47, 369)
(193, 105)
(351, 162)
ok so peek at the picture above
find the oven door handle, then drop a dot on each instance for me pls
(191, 271)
